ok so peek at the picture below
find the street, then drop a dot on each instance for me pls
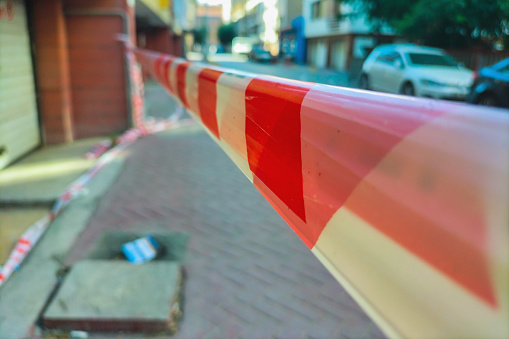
(305, 73)
(290, 71)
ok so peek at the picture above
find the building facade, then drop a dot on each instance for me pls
(63, 71)
(155, 27)
(292, 42)
(338, 35)
(257, 19)
(210, 17)
(184, 14)
(249, 19)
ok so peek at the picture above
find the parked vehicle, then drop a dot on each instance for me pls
(242, 45)
(415, 70)
(491, 86)
(260, 54)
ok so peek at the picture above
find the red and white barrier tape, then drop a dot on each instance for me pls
(99, 149)
(137, 92)
(404, 200)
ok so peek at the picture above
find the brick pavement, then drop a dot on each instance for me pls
(248, 274)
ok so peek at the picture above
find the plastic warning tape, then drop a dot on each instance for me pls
(404, 200)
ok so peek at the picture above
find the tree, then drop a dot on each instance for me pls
(441, 23)
(200, 35)
(226, 33)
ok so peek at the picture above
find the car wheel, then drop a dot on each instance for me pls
(363, 81)
(408, 89)
(488, 100)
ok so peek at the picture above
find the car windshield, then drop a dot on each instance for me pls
(502, 67)
(426, 59)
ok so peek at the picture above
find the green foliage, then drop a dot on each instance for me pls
(200, 35)
(441, 23)
(226, 33)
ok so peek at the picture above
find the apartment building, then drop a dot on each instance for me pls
(338, 35)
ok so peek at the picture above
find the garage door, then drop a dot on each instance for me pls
(19, 129)
(317, 53)
(97, 75)
(338, 55)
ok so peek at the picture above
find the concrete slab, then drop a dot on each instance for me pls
(26, 292)
(112, 296)
(42, 176)
(13, 222)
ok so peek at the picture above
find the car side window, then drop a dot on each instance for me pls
(398, 61)
(398, 56)
(504, 70)
(387, 57)
(391, 58)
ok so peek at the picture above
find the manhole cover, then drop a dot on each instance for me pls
(113, 296)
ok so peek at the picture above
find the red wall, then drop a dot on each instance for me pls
(162, 40)
(52, 67)
(97, 64)
(98, 80)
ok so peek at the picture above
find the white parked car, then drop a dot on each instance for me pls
(415, 70)
(242, 45)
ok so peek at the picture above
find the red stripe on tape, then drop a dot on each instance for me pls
(21, 250)
(273, 138)
(207, 98)
(181, 82)
(157, 68)
(166, 74)
(25, 242)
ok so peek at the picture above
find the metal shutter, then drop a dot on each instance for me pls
(19, 127)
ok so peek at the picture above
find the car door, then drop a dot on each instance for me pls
(377, 73)
(394, 73)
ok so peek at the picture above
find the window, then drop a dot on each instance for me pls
(315, 9)
(398, 57)
(427, 59)
(337, 9)
(321, 9)
(389, 57)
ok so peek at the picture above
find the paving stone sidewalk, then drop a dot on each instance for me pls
(248, 274)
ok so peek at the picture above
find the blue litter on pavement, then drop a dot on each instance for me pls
(141, 250)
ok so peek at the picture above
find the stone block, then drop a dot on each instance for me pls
(113, 296)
